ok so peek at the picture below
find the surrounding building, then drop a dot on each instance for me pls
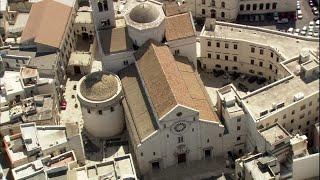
(229, 10)
(119, 168)
(40, 141)
(50, 29)
(47, 167)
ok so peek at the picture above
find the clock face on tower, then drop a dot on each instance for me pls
(179, 127)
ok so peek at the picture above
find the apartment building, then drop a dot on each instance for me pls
(229, 10)
(50, 29)
(40, 141)
(47, 167)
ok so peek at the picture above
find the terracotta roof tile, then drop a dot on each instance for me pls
(115, 40)
(136, 104)
(179, 26)
(170, 82)
(47, 23)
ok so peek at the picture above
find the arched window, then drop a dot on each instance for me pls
(222, 15)
(274, 5)
(100, 6)
(223, 4)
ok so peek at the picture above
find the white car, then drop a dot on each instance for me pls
(296, 32)
(298, 7)
(311, 23)
(315, 34)
(305, 28)
(290, 30)
(318, 22)
(310, 33)
(310, 29)
(299, 14)
(303, 33)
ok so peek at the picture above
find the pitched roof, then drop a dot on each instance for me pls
(179, 26)
(170, 82)
(136, 105)
(47, 23)
(115, 40)
(171, 8)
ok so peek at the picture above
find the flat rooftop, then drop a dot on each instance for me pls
(118, 168)
(288, 46)
(83, 17)
(274, 134)
(281, 93)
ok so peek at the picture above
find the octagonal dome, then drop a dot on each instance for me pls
(144, 13)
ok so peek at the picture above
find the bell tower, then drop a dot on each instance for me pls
(103, 14)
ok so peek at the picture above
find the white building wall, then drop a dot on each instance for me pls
(163, 145)
(116, 62)
(139, 37)
(186, 47)
(107, 124)
(239, 58)
(206, 8)
(306, 167)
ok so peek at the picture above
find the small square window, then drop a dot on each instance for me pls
(252, 49)
(218, 56)
(235, 46)
(218, 44)
(239, 120)
(209, 43)
(226, 58)
(292, 120)
(111, 109)
(308, 122)
(238, 138)
(252, 61)
(302, 107)
(238, 128)
(100, 112)
(209, 55)
(235, 58)
(226, 45)
(292, 112)
(261, 51)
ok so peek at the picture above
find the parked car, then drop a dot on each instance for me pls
(317, 22)
(296, 31)
(316, 12)
(290, 30)
(315, 34)
(298, 7)
(63, 104)
(311, 23)
(261, 80)
(218, 73)
(299, 14)
(283, 21)
(276, 16)
(242, 87)
(303, 33)
(252, 79)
